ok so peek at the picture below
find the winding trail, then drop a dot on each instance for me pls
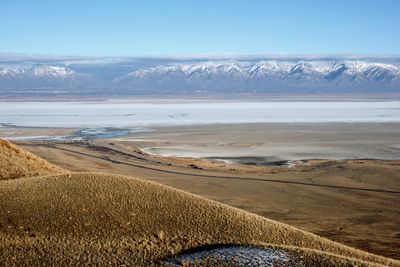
(208, 176)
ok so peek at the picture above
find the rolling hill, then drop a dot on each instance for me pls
(105, 219)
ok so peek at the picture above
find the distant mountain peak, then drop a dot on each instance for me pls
(39, 70)
(48, 70)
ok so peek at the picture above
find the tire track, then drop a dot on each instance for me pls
(375, 190)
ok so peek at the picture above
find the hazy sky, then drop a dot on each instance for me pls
(172, 27)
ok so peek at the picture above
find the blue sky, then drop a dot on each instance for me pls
(143, 28)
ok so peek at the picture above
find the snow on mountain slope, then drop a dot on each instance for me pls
(282, 70)
(52, 71)
(40, 77)
(266, 75)
(37, 71)
(248, 76)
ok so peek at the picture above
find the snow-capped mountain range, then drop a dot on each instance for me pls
(248, 76)
(265, 75)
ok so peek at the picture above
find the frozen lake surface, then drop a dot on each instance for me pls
(80, 114)
(236, 256)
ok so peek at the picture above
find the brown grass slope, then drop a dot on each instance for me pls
(96, 218)
(16, 162)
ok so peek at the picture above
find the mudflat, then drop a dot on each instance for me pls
(276, 141)
(344, 184)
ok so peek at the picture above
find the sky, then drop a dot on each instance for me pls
(189, 27)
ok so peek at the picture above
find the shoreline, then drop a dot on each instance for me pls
(260, 143)
(273, 142)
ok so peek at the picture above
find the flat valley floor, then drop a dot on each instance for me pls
(352, 201)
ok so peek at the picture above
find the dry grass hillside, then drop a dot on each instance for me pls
(105, 219)
(16, 162)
